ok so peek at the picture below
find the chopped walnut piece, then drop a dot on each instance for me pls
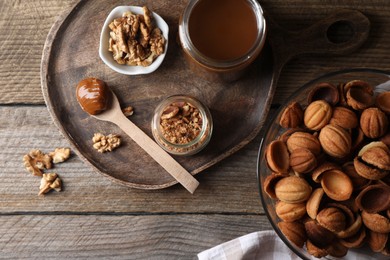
(169, 112)
(60, 155)
(134, 39)
(121, 38)
(131, 58)
(141, 53)
(157, 42)
(110, 44)
(180, 123)
(128, 111)
(148, 61)
(133, 21)
(148, 18)
(118, 54)
(50, 181)
(104, 143)
(36, 161)
(97, 137)
(145, 35)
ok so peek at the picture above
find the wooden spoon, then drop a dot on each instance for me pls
(114, 115)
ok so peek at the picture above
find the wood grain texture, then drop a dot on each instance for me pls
(120, 237)
(20, 64)
(238, 108)
(114, 115)
(95, 218)
(232, 183)
(23, 29)
(295, 15)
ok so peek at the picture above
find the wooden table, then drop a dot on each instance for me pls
(93, 217)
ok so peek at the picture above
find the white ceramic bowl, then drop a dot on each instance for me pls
(106, 55)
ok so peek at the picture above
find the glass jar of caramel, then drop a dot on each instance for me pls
(221, 38)
(182, 125)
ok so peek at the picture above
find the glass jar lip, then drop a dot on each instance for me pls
(252, 52)
(207, 124)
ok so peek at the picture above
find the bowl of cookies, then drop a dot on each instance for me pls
(324, 167)
(133, 40)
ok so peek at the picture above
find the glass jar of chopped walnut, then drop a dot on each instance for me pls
(182, 125)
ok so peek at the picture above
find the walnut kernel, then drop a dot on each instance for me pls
(128, 111)
(181, 123)
(50, 181)
(104, 143)
(60, 155)
(134, 39)
(36, 161)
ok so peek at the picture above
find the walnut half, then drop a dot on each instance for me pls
(104, 143)
(50, 181)
(36, 161)
(60, 155)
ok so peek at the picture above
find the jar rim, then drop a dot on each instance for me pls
(207, 124)
(223, 64)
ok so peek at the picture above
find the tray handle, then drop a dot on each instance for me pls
(315, 39)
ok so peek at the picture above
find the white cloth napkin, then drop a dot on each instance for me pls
(257, 245)
(267, 245)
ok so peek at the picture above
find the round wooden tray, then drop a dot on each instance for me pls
(238, 109)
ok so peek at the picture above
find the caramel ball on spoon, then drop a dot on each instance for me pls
(93, 95)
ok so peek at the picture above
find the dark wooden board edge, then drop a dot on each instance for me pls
(275, 69)
(47, 55)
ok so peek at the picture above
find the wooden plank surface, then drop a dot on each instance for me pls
(23, 29)
(95, 218)
(295, 15)
(22, 42)
(232, 183)
(120, 237)
(66, 61)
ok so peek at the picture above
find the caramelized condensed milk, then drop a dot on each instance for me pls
(220, 38)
